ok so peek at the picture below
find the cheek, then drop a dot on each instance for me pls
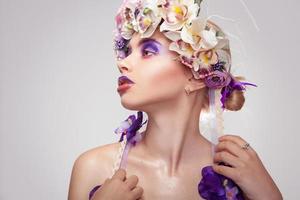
(164, 76)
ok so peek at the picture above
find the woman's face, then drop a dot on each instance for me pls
(158, 78)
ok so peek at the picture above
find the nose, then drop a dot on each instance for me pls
(123, 66)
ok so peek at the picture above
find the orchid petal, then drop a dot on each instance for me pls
(148, 33)
(209, 39)
(187, 2)
(165, 26)
(172, 35)
(222, 43)
(174, 47)
(223, 56)
(191, 32)
(193, 11)
(186, 35)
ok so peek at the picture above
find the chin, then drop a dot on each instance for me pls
(131, 104)
(139, 104)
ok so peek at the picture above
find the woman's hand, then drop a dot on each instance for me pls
(119, 188)
(247, 170)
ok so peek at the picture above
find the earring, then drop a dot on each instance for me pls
(187, 90)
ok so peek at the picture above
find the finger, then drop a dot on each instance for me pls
(137, 192)
(227, 158)
(132, 181)
(231, 147)
(120, 174)
(236, 139)
(226, 171)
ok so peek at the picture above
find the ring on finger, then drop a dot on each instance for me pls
(246, 146)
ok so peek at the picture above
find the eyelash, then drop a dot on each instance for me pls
(145, 51)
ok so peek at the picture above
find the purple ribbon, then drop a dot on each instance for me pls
(129, 127)
(92, 192)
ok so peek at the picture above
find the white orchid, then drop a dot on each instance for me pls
(188, 56)
(173, 35)
(206, 58)
(191, 33)
(200, 60)
(126, 20)
(138, 16)
(186, 53)
(182, 48)
(148, 18)
(176, 13)
(212, 39)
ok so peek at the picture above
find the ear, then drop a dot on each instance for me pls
(195, 84)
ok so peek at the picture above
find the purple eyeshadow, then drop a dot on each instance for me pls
(151, 45)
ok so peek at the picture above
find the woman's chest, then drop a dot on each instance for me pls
(168, 189)
(158, 185)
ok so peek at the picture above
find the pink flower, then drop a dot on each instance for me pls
(176, 13)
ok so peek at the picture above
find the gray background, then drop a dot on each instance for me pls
(58, 91)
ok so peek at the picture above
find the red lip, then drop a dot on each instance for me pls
(122, 88)
(124, 79)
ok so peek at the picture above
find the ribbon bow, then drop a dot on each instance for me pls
(130, 126)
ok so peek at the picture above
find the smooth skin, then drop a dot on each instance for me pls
(169, 159)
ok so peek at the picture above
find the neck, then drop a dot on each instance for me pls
(172, 135)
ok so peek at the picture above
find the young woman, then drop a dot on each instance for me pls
(172, 62)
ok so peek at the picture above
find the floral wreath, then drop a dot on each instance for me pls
(201, 45)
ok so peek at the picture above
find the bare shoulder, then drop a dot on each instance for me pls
(92, 168)
(98, 161)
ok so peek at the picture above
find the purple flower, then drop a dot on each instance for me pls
(219, 66)
(120, 42)
(130, 126)
(214, 186)
(217, 79)
(233, 85)
(121, 47)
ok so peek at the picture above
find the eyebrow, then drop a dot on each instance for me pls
(145, 40)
